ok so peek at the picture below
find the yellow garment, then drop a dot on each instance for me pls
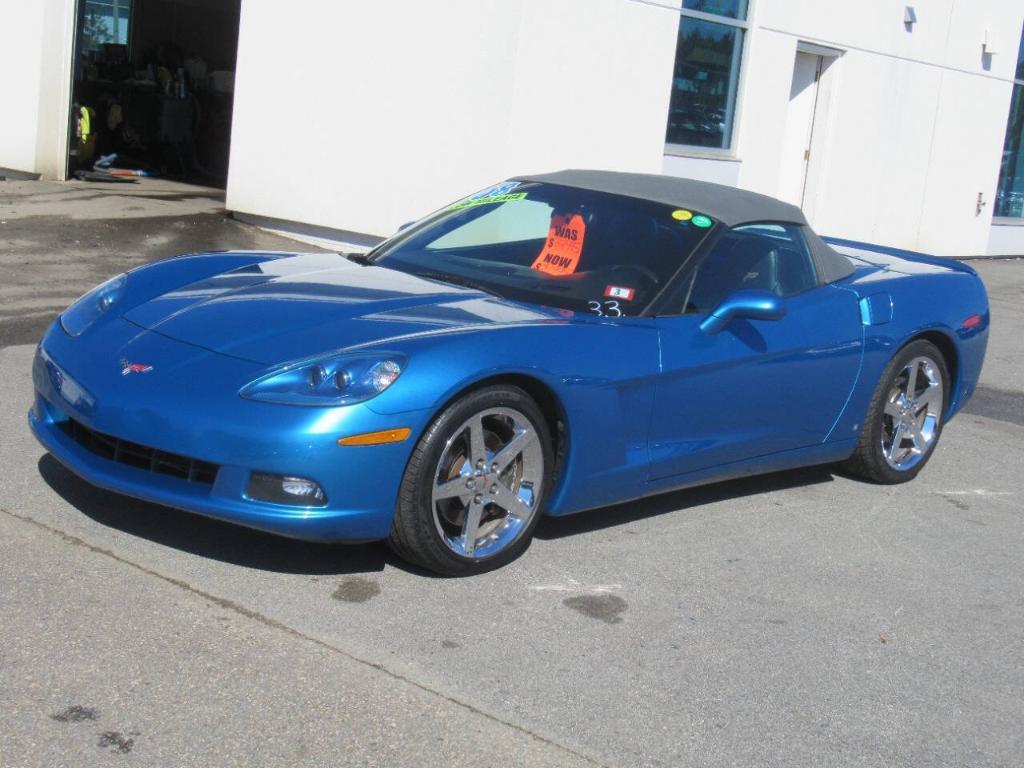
(84, 127)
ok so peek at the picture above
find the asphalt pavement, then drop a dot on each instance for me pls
(798, 619)
(57, 240)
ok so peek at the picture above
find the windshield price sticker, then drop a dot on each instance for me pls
(561, 253)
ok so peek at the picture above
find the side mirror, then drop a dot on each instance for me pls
(756, 305)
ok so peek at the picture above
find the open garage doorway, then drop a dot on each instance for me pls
(153, 89)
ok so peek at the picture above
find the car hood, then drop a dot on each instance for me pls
(304, 305)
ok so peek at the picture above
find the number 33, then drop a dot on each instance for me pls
(605, 308)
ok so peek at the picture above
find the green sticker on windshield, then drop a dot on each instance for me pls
(496, 193)
(487, 200)
(702, 221)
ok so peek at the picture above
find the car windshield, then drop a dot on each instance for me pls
(552, 245)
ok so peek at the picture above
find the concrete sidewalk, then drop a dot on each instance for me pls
(103, 657)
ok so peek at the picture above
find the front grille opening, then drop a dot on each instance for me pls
(140, 456)
(134, 455)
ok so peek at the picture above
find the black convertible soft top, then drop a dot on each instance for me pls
(729, 205)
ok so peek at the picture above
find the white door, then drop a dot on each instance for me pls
(796, 145)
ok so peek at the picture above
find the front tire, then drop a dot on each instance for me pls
(905, 417)
(472, 492)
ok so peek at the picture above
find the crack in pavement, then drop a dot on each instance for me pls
(248, 613)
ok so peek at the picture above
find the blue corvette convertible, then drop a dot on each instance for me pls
(552, 344)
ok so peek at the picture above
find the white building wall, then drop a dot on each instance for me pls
(386, 111)
(361, 116)
(1006, 240)
(35, 84)
(915, 123)
(717, 170)
(20, 56)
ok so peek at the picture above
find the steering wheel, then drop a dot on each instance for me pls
(647, 272)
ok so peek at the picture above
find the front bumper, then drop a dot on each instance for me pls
(239, 436)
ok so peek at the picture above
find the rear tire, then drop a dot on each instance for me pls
(905, 417)
(473, 490)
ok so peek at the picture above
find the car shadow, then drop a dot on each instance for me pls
(213, 539)
(237, 545)
(676, 501)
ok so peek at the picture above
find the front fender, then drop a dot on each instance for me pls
(600, 373)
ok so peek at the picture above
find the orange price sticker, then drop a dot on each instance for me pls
(561, 253)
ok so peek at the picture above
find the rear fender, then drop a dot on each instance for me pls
(930, 305)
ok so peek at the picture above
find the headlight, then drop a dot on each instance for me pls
(92, 305)
(341, 380)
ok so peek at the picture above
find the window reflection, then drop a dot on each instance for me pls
(704, 86)
(1010, 195)
(105, 21)
(1020, 60)
(734, 9)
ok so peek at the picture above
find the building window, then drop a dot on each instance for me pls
(105, 21)
(733, 9)
(1010, 193)
(707, 72)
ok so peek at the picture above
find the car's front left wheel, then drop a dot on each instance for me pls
(472, 492)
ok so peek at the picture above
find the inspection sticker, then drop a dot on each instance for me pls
(702, 221)
(682, 215)
(619, 292)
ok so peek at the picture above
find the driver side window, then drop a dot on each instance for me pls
(768, 257)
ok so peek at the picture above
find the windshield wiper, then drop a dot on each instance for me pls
(465, 282)
(358, 258)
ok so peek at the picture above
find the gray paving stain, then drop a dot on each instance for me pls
(356, 589)
(116, 742)
(602, 607)
(449, 644)
(953, 501)
(76, 714)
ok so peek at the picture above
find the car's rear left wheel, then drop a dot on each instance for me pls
(472, 492)
(905, 417)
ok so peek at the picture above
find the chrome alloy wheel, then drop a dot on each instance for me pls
(487, 483)
(912, 414)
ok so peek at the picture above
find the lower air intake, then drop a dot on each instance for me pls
(140, 456)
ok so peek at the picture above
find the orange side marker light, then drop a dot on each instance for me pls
(377, 438)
